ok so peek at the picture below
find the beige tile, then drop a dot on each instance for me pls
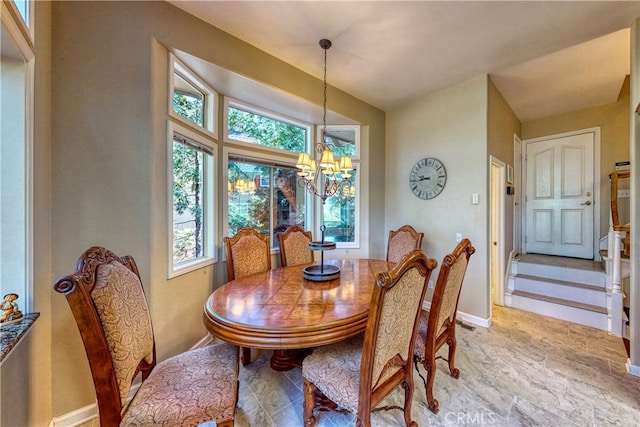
(525, 370)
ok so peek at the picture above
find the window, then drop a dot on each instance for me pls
(340, 212)
(192, 101)
(263, 191)
(192, 150)
(192, 195)
(264, 197)
(16, 164)
(252, 126)
(24, 7)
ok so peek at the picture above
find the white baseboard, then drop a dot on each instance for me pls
(77, 417)
(469, 318)
(90, 412)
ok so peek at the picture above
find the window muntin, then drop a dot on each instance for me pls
(248, 125)
(265, 197)
(192, 201)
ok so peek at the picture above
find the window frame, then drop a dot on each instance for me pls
(210, 193)
(210, 114)
(22, 39)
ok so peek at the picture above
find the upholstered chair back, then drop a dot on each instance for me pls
(124, 315)
(393, 318)
(402, 241)
(294, 246)
(451, 291)
(248, 252)
(398, 313)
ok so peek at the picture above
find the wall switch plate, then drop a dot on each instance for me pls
(430, 284)
(458, 237)
(474, 198)
(624, 194)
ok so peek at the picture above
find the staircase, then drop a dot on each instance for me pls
(563, 288)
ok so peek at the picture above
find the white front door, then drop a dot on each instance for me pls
(559, 196)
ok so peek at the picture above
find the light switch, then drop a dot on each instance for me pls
(474, 198)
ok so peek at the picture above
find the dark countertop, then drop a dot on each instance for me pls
(11, 334)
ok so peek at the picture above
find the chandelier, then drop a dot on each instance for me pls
(323, 175)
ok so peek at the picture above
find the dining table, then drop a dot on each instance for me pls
(282, 311)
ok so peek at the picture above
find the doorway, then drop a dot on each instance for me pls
(561, 194)
(498, 191)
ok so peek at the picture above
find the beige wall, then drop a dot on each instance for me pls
(502, 124)
(613, 120)
(450, 125)
(109, 159)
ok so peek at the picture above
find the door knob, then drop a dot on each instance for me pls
(588, 203)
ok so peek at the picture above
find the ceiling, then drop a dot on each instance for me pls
(545, 57)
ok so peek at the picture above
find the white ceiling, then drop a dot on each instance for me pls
(545, 57)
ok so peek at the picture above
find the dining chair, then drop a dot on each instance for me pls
(107, 300)
(248, 252)
(294, 246)
(402, 241)
(438, 326)
(359, 373)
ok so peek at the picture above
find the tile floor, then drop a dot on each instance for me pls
(525, 370)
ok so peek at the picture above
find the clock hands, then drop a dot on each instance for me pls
(422, 178)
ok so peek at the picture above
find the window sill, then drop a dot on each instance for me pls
(11, 334)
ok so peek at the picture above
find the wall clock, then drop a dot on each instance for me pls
(427, 178)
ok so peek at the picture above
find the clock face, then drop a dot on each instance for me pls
(427, 178)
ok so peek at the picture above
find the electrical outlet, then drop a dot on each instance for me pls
(458, 237)
(624, 194)
(430, 284)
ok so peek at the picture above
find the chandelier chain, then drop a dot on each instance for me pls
(324, 104)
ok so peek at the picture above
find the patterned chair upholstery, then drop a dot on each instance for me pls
(248, 252)
(438, 326)
(294, 246)
(358, 373)
(402, 241)
(107, 299)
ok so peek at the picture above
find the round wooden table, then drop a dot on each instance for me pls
(280, 310)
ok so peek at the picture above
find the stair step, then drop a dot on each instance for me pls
(594, 276)
(585, 314)
(560, 301)
(562, 289)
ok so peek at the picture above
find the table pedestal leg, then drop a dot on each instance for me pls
(285, 360)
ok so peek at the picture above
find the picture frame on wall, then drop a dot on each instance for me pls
(509, 174)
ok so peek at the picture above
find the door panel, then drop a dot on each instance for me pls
(559, 209)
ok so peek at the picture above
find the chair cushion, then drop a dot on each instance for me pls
(335, 370)
(190, 388)
(124, 315)
(421, 335)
